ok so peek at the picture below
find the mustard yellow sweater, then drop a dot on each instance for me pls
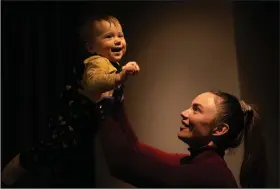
(99, 78)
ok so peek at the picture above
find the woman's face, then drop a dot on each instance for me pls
(198, 120)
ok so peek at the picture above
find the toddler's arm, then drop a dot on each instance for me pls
(101, 76)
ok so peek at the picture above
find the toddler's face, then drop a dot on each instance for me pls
(108, 40)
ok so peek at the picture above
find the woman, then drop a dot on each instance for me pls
(215, 122)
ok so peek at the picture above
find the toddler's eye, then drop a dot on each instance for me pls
(108, 36)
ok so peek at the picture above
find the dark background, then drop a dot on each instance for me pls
(257, 45)
(40, 44)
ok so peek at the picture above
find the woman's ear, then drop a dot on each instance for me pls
(220, 129)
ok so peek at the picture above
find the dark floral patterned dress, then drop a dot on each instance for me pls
(68, 152)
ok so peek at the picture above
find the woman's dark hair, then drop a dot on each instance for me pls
(241, 119)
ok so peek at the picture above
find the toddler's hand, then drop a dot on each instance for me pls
(131, 68)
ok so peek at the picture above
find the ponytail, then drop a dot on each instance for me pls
(244, 125)
(253, 168)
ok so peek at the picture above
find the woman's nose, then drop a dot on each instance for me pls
(185, 114)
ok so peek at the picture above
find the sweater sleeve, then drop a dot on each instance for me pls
(99, 74)
(142, 165)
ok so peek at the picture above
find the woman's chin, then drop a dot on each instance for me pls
(184, 136)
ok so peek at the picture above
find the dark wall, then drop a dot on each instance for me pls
(257, 46)
(39, 46)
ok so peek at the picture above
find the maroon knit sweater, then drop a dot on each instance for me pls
(144, 166)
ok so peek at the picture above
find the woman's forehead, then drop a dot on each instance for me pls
(206, 100)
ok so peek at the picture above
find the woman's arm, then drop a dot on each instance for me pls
(122, 126)
(139, 164)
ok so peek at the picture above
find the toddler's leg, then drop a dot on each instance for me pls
(71, 129)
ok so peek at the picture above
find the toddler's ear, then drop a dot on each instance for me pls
(90, 48)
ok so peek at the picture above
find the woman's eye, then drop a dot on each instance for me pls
(196, 109)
